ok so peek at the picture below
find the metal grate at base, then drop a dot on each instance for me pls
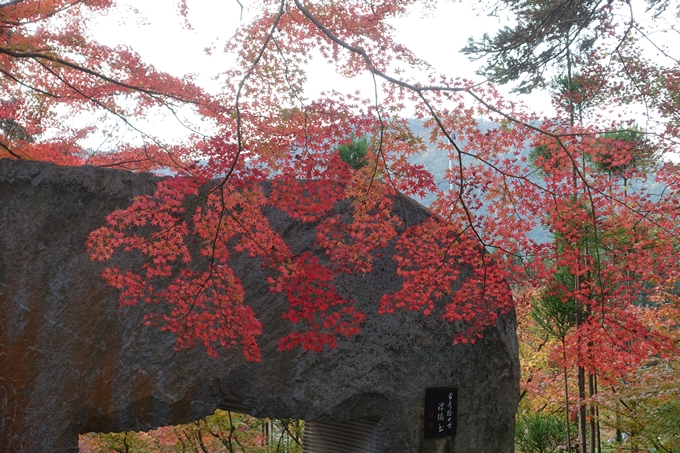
(358, 436)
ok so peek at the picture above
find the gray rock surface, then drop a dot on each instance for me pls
(72, 361)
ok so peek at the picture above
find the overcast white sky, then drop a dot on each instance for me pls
(155, 30)
(157, 34)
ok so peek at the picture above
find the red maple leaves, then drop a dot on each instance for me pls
(594, 187)
(206, 299)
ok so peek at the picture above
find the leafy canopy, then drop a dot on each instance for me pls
(265, 127)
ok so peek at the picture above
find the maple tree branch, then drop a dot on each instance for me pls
(371, 67)
(40, 17)
(180, 121)
(460, 198)
(241, 6)
(380, 119)
(420, 90)
(110, 110)
(249, 72)
(575, 164)
(60, 10)
(12, 153)
(38, 56)
(211, 266)
(446, 256)
(30, 87)
(635, 83)
(381, 134)
(369, 63)
(660, 49)
(379, 154)
(617, 51)
(627, 32)
(235, 159)
(294, 91)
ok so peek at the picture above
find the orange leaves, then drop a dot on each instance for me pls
(426, 259)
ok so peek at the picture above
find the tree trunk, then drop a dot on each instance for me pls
(582, 432)
(566, 397)
(597, 418)
(591, 393)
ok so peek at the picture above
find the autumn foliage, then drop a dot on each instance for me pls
(589, 177)
(223, 431)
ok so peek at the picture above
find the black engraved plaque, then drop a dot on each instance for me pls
(440, 412)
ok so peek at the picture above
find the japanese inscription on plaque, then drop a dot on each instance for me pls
(440, 412)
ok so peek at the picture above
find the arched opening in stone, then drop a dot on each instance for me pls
(222, 432)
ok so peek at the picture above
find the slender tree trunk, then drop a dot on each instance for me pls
(581, 379)
(569, 85)
(125, 444)
(591, 393)
(566, 397)
(582, 431)
(199, 437)
(232, 429)
(619, 434)
(597, 418)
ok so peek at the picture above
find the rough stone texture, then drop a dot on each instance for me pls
(72, 362)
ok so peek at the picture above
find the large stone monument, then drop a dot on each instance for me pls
(72, 361)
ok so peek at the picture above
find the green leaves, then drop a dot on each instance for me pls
(555, 309)
(354, 152)
(539, 41)
(536, 432)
